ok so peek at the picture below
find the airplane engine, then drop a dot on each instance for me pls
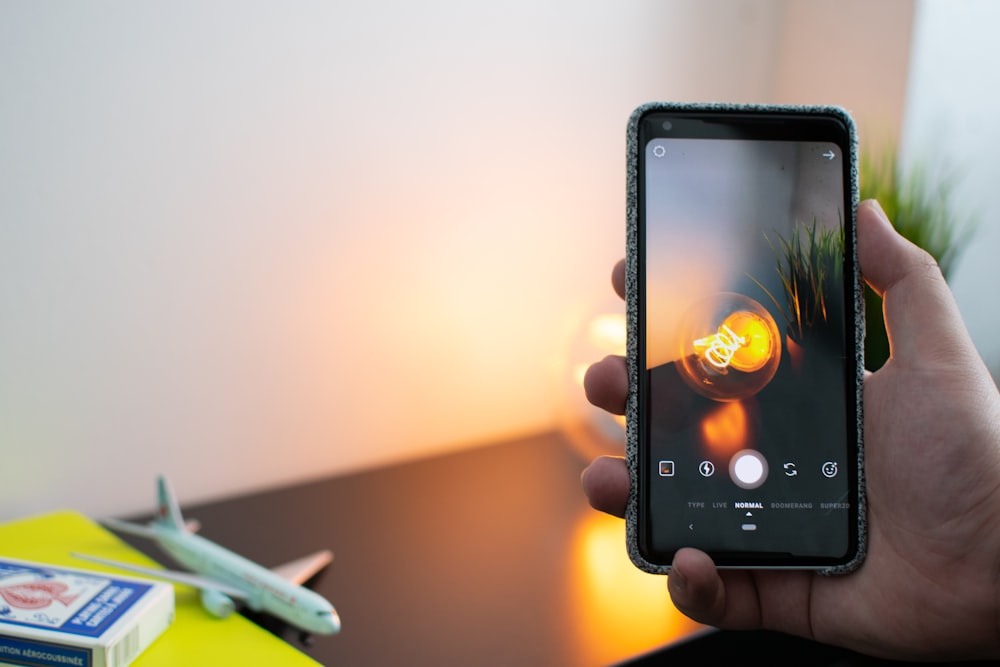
(217, 604)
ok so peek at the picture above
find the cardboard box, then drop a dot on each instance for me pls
(56, 617)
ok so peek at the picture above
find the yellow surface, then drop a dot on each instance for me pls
(195, 638)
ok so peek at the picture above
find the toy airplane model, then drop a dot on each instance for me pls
(224, 576)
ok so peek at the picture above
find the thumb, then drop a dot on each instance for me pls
(921, 317)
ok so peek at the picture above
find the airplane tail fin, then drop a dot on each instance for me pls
(168, 512)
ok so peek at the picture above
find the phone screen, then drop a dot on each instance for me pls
(747, 367)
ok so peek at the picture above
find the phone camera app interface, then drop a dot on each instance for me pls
(746, 350)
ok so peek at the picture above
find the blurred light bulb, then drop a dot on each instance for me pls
(740, 353)
(607, 332)
(591, 430)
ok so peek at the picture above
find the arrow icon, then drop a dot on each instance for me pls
(829, 155)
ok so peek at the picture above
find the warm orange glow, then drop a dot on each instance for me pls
(743, 341)
(731, 349)
(607, 332)
(620, 611)
(759, 345)
(724, 430)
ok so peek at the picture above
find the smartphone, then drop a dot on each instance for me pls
(745, 337)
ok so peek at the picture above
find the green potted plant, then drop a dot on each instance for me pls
(922, 208)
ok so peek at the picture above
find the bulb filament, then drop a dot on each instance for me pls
(720, 347)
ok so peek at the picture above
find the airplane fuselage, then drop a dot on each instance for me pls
(265, 590)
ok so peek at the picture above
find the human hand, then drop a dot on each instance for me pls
(930, 585)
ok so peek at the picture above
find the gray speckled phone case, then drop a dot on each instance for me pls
(631, 299)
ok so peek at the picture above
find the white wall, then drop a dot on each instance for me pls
(248, 243)
(953, 124)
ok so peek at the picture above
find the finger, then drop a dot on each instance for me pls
(618, 278)
(886, 257)
(606, 483)
(606, 384)
(921, 317)
(696, 587)
(740, 599)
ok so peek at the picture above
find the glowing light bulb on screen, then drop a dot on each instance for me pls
(731, 347)
(743, 341)
(719, 348)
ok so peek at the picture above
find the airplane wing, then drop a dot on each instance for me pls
(186, 578)
(300, 571)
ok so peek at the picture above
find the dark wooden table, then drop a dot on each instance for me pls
(488, 556)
